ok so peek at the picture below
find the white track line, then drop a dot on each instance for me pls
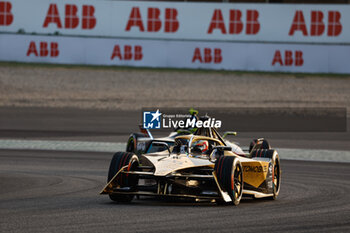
(62, 145)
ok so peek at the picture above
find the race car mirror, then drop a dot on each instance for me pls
(229, 133)
(218, 151)
(161, 145)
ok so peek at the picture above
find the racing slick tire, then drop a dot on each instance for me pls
(259, 143)
(229, 173)
(119, 160)
(132, 142)
(276, 168)
(276, 175)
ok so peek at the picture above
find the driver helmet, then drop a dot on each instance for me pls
(203, 145)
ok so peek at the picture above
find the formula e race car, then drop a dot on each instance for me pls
(201, 166)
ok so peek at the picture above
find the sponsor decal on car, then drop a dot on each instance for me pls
(141, 146)
(255, 172)
(255, 168)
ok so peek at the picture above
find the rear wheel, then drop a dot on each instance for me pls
(131, 145)
(230, 177)
(259, 143)
(276, 176)
(120, 160)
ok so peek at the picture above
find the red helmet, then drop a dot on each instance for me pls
(200, 145)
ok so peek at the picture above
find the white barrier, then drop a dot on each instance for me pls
(297, 23)
(177, 54)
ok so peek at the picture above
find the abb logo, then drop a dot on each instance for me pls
(334, 27)
(289, 60)
(129, 52)
(235, 26)
(6, 16)
(207, 56)
(43, 49)
(154, 23)
(71, 19)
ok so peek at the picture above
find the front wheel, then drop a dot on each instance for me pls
(230, 177)
(120, 160)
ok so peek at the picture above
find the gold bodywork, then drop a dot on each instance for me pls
(254, 172)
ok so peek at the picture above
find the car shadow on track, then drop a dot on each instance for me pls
(166, 202)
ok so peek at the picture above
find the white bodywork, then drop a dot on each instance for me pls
(167, 164)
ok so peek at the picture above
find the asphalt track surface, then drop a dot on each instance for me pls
(47, 191)
(58, 191)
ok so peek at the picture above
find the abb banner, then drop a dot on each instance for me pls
(323, 58)
(297, 23)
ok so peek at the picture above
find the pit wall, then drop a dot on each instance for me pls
(247, 37)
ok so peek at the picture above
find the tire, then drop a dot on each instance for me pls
(119, 160)
(263, 153)
(132, 142)
(260, 143)
(276, 175)
(229, 173)
(276, 168)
